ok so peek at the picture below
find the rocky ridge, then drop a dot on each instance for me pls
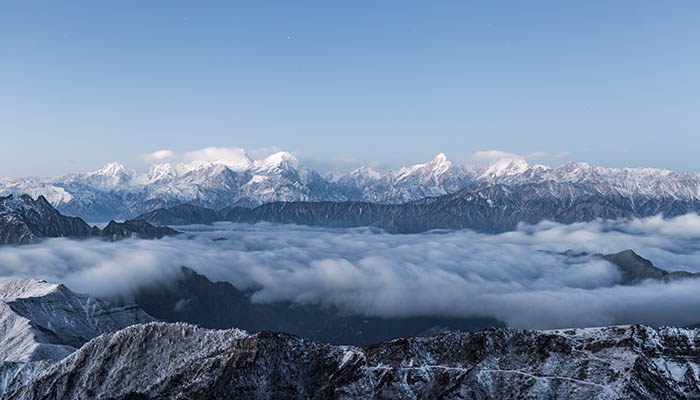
(24, 220)
(181, 361)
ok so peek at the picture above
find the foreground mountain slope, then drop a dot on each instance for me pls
(40, 320)
(182, 362)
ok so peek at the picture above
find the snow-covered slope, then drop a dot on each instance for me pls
(179, 361)
(45, 321)
(115, 191)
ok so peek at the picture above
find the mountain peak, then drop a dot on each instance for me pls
(279, 159)
(506, 167)
(112, 169)
(440, 158)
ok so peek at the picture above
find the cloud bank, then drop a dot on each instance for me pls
(516, 277)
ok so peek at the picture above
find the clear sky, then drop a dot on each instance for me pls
(614, 83)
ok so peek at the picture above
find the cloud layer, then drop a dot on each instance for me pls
(517, 277)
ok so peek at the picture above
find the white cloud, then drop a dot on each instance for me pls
(489, 157)
(234, 157)
(159, 155)
(517, 277)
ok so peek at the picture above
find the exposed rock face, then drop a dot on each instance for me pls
(635, 269)
(135, 228)
(177, 361)
(195, 299)
(484, 207)
(24, 220)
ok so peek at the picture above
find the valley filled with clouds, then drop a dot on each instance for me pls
(522, 278)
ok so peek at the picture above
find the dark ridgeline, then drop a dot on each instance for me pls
(24, 220)
(484, 207)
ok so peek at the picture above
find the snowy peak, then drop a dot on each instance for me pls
(504, 168)
(111, 176)
(113, 169)
(365, 173)
(432, 169)
(279, 160)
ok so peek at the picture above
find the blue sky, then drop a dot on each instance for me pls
(612, 83)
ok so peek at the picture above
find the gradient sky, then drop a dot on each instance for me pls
(87, 82)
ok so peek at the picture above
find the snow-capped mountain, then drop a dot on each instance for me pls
(434, 178)
(158, 360)
(116, 191)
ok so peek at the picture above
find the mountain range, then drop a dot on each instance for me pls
(117, 192)
(484, 207)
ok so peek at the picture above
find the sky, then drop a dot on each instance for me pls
(83, 83)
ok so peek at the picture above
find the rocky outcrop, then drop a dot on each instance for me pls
(635, 269)
(135, 228)
(24, 220)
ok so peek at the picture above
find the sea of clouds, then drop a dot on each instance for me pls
(519, 277)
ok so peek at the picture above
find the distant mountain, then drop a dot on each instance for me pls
(117, 192)
(135, 228)
(159, 361)
(195, 299)
(483, 207)
(24, 220)
(634, 268)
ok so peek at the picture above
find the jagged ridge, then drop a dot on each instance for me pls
(116, 191)
(181, 361)
(24, 220)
